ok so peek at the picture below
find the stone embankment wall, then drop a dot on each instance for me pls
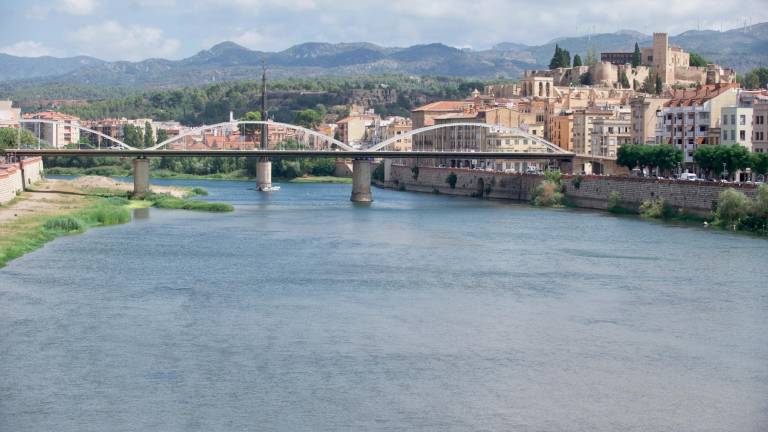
(697, 198)
(14, 177)
(468, 182)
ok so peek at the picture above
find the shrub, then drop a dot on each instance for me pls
(657, 209)
(553, 176)
(169, 202)
(576, 181)
(547, 194)
(451, 180)
(378, 172)
(199, 191)
(110, 215)
(732, 206)
(64, 224)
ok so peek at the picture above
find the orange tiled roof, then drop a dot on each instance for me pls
(694, 96)
(443, 106)
(51, 115)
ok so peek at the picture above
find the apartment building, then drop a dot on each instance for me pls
(60, 130)
(645, 110)
(583, 126)
(736, 126)
(610, 133)
(760, 128)
(687, 118)
(9, 116)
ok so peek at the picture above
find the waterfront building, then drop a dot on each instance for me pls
(736, 126)
(353, 128)
(760, 127)
(561, 131)
(60, 134)
(686, 119)
(583, 127)
(610, 133)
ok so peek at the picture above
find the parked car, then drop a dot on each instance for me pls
(688, 176)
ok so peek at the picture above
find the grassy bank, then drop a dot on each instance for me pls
(30, 233)
(240, 175)
(321, 179)
(83, 209)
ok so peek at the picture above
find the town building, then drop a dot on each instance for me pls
(645, 110)
(561, 131)
(9, 116)
(736, 126)
(687, 118)
(583, 126)
(353, 128)
(58, 129)
(760, 127)
(610, 133)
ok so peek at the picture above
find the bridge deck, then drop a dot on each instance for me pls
(288, 154)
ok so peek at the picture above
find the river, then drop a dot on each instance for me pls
(302, 311)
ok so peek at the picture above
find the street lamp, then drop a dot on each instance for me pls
(725, 171)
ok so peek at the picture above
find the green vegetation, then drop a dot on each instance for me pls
(664, 157)
(614, 204)
(657, 209)
(637, 58)
(698, 61)
(714, 158)
(549, 192)
(322, 179)
(378, 172)
(561, 58)
(9, 137)
(659, 85)
(577, 61)
(451, 180)
(755, 79)
(199, 191)
(212, 103)
(623, 80)
(27, 234)
(736, 211)
(170, 202)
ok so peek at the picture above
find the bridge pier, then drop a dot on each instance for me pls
(263, 174)
(361, 181)
(140, 176)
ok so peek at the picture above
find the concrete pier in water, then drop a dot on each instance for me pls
(361, 181)
(264, 174)
(140, 176)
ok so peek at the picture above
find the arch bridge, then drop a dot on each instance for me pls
(430, 144)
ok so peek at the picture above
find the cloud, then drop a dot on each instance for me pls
(77, 7)
(28, 49)
(111, 40)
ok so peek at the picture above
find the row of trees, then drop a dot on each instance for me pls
(9, 137)
(561, 58)
(662, 157)
(714, 159)
(754, 79)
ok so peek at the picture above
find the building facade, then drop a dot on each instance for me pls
(736, 126)
(760, 128)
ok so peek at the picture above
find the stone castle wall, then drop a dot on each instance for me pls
(697, 198)
(32, 170)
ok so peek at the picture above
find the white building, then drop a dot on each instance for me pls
(9, 116)
(736, 126)
(760, 128)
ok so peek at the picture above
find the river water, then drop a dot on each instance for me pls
(301, 311)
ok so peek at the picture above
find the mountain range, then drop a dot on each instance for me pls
(741, 49)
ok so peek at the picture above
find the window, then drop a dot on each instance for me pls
(733, 118)
(703, 128)
(725, 135)
(725, 119)
(742, 120)
(733, 135)
(742, 135)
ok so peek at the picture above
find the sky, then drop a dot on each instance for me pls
(173, 29)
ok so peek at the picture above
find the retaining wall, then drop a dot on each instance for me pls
(10, 182)
(31, 170)
(697, 198)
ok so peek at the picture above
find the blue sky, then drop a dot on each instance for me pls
(139, 29)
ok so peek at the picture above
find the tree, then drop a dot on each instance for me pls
(629, 156)
(591, 58)
(637, 58)
(308, 118)
(706, 158)
(132, 136)
(162, 135)
(659, 85)
(666, 157)
(577, 61)
(149, 139)
(557, 58)
(586, 78)
(250, 129)
(697, 60)
(623, 80)
(565, 58)
(9, 138)
(760, 163)
(647, 86)
(755, 79)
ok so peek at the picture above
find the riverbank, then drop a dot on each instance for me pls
(54, 208)
(117, 171)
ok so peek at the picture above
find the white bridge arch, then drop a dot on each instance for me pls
(235, 124)
(117, 142)
(551, 148)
